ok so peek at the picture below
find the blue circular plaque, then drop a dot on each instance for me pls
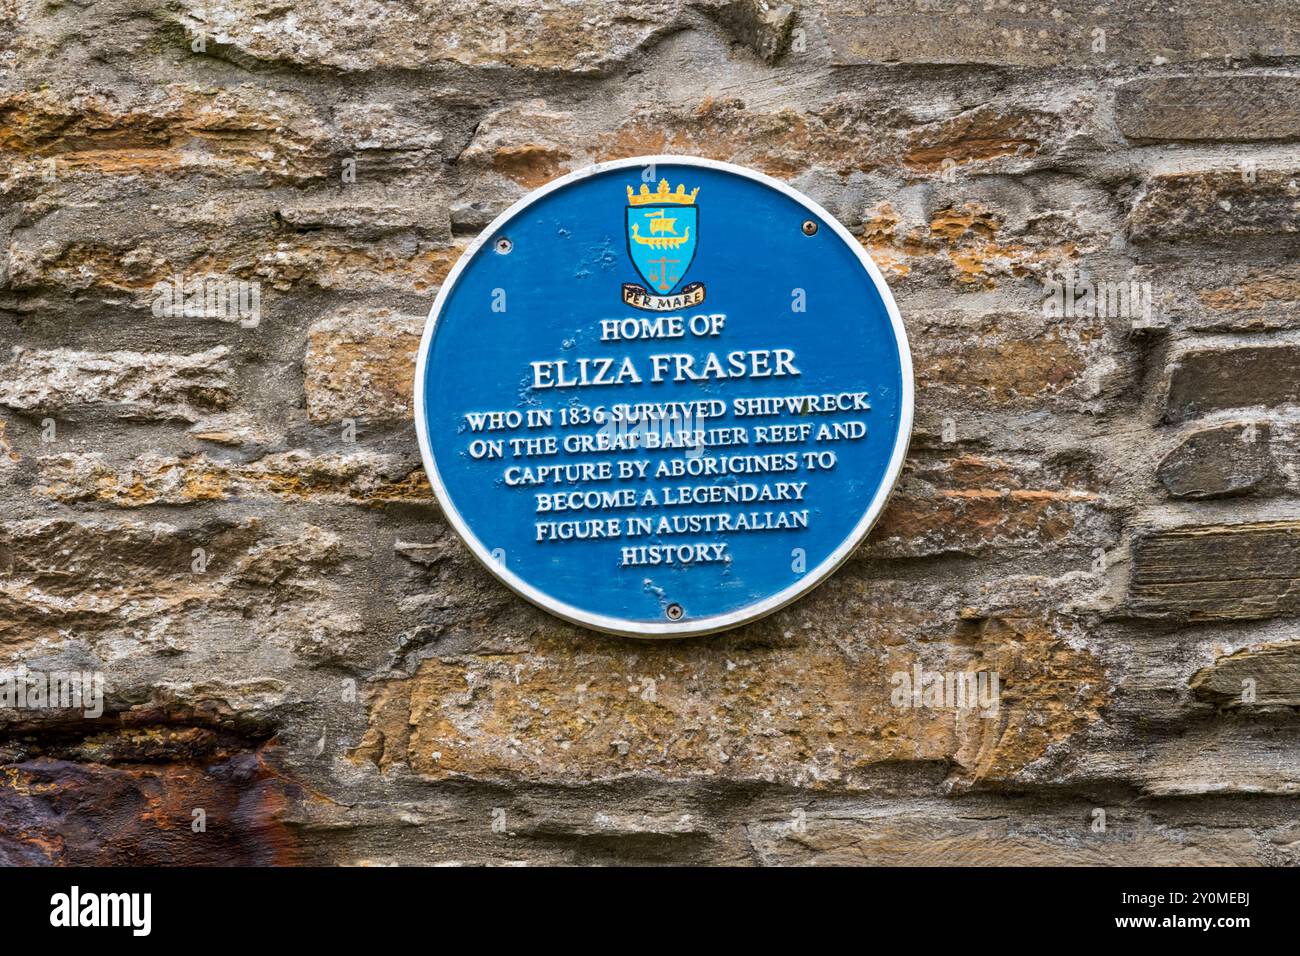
(663, 396)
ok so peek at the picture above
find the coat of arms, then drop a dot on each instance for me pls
(662, 236)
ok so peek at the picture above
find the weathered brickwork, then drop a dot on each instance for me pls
(1090, 216)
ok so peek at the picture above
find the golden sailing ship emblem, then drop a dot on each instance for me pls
(662, 236)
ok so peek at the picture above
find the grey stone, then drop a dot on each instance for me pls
(1210, 463)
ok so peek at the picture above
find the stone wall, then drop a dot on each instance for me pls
(226, 515)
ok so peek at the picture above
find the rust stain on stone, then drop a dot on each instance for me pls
(1259, 290)
(127, 794)
(976, 136)
(973, 521)
(966, 240)
(808, 716)
(361, 478)
(1007, 368)
(531, 164)
(969, 504)
(190, 130)
(361, 364)
(842, 136)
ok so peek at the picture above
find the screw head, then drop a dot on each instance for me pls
(674, 612)
(504, 246)
(809, 227)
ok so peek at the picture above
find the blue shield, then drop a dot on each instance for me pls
(661, 242)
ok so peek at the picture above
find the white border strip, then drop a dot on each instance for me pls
(720, 622)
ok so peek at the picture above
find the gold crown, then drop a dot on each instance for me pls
(663, 195)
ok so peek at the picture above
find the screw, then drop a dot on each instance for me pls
(809, 228)
(504, 246)
(674, 612)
